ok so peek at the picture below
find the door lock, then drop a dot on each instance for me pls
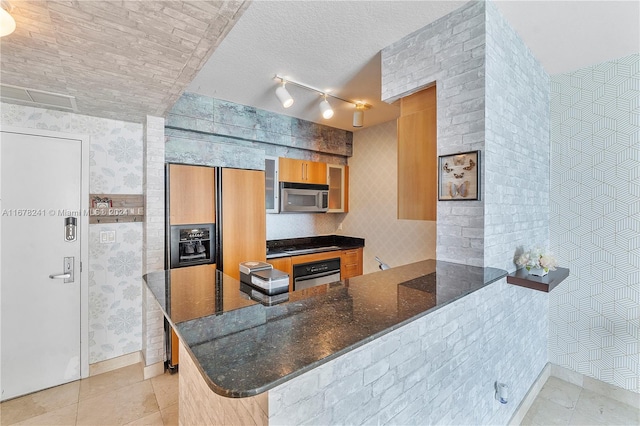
(67, 266)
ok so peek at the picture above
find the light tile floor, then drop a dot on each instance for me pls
(122, 397)
(563, 403)
(119, 397)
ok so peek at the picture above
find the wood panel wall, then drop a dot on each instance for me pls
(418, 156)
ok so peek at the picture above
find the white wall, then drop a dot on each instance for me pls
(373, 201)
(115, 270)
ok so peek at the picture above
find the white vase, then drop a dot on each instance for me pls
(540, 272)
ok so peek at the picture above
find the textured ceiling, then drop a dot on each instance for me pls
(125, 60)
(121, 60)
(334, 46)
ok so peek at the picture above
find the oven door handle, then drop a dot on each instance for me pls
(314, 276)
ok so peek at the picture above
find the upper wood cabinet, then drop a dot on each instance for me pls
(191, 194)
(243, 219)
(418, 156)
(338, 180)
(302, 171)
(271, 182)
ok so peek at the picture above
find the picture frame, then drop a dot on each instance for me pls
(459, 176)
(101, 203)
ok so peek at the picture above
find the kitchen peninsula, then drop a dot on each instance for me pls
(297, 361)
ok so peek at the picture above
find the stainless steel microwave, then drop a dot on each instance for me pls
(303, 197)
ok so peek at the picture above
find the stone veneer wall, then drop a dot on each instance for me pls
(595, 221)
(373, 203)
(199, 405)
(439, 369)
(115, 270)
(153, 348)
(492, 96)
(516, 153)
(212, 132)
(450, 52)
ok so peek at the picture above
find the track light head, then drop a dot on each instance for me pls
(7, 23)
(358, 115)
(283, 95)
(327, 111)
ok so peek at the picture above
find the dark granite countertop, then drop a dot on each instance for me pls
(306, 245)
(244, 348)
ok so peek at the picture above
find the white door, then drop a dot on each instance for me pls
(40, 187)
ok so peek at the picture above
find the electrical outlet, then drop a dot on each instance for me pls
(340, 227)
(107, 237)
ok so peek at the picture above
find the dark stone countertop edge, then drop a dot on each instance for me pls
(265, 388)
(261, 389)
(276, 247)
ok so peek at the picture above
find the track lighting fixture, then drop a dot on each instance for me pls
(358, 115)
(327, 112)
(283, 95)
(7, 23)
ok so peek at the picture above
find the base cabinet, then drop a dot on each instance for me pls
(351, 263)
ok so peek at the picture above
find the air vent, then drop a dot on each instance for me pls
(37, 97)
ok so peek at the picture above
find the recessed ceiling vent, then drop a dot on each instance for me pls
(37, 97)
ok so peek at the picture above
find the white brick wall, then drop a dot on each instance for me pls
(153, 183)
(516, 156)
(450, 52)
(439, 369)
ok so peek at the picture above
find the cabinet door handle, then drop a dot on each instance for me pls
(302, 170)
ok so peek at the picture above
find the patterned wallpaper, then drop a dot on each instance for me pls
(373, 201)
(115, 270)
(595, 221)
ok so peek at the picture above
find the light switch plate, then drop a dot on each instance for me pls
(107, 237)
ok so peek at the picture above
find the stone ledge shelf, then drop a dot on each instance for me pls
(547, 283)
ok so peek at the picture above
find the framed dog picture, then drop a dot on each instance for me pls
(459, 176)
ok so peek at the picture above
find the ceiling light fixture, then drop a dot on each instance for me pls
(325, 107)
(283, 95)
(7, 23)
(327, 111)
(358, 115)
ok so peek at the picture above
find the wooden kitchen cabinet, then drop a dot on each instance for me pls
(418, 156)
(191, 194)
(338, 180)
(351, 263)
(302, 171)
(283, 264)
(272, 187)
(195, 287)
(243, 219)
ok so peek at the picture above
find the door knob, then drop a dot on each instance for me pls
(60, 276)
(67, 266)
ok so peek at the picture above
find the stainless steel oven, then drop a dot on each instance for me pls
(192, 245)
(311, 274)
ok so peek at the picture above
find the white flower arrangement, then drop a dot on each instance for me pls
(537, 258)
